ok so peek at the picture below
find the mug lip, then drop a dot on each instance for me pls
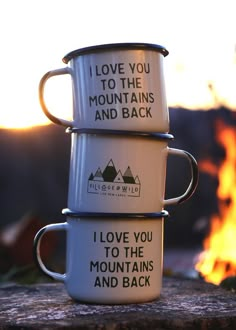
(78, 214)
(153, 135)
(115, 46)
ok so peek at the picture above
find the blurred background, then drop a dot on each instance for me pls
(200, 75)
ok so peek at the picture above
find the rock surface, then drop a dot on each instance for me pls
(184, 304)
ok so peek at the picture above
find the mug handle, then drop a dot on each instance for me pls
(36, 250)
(194, 177)
(42, 83)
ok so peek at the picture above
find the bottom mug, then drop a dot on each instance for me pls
(110, 260)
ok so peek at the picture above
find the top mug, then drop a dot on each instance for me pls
(115, 86)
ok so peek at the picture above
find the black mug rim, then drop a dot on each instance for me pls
(114, 46)
(78, 214)
(153, 135)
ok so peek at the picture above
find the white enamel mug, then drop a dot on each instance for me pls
(116, 173)
(115, 86)
(110, 260)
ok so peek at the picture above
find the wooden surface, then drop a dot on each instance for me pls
(184, 304)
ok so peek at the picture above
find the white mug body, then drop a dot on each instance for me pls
(122, 173)
(117, 86)
(116, 174)
(111, 261)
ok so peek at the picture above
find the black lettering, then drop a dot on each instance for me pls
(140, 67)
(134, 82)
(105, 114)
(148, 112)
(133, 251)
(125, 112)
(144, 98)
(151, 98)
(106, 69)
(125, 282)
(98, 115)
(150, 268)
(133, 98)
(111, 237)
(92, 99)
(121, 266)
(143, 236)
(97, 282)
(135, 267)
(109, 282)
(132, 66)
(94, 265)
(147, 280)
(141, 281)
(142, 112)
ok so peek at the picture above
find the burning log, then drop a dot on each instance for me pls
(229, 283)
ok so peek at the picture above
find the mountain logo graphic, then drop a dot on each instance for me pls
(113, 183)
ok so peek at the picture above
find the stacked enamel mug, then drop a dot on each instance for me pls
(119, 150)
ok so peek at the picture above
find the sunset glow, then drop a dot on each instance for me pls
(200, 71)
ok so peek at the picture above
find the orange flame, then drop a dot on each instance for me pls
(208, 167)
(218, 260)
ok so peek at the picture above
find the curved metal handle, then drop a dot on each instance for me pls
(36, 250)
(194, 177)
(42, 83)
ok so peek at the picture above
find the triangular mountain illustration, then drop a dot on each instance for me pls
(98, 175)
(128, 176)
(112, 180)
(110, 172)
(119, 177)
(137, 181)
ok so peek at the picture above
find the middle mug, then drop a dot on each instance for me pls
(115, 173)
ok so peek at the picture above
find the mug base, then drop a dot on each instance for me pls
(115, 300)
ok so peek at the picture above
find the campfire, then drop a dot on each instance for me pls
(218, 259)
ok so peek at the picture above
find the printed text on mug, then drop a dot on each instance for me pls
(124, 264)
(123, 93)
